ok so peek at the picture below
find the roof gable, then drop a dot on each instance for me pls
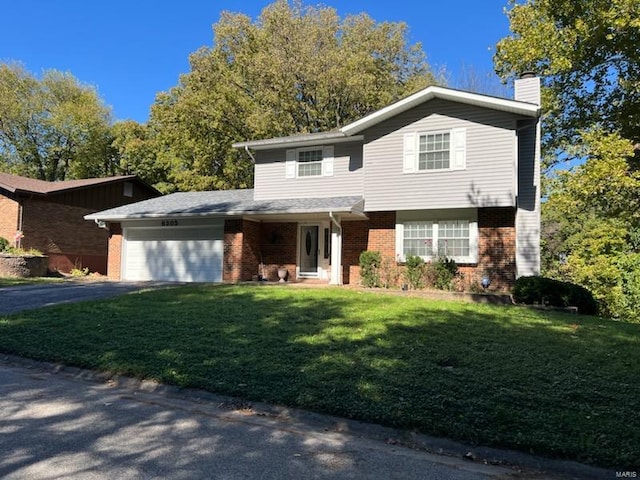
(350, 132)
(433, 92)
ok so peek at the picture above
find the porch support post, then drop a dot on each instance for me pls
(336, 251)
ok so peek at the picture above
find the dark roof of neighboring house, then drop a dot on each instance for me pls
(18, 184)
(226, 202)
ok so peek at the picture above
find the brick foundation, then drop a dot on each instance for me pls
(114, 260)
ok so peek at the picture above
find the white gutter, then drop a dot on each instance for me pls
(246, 149)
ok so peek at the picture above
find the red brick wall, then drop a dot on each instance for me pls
(61, 232)
(9, 211)
(278, 246)
(114, 261)
(496, 247)
(241, 250)
(377, 233)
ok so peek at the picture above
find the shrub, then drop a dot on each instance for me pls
(4, 244)
(547, 291)
(442, 272)
(79, 272)
(370, 262)
(389, 272)
(18, 251)
(415, 271)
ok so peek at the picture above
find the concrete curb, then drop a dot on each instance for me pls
(522, 465)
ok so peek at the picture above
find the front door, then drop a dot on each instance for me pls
(309, 249)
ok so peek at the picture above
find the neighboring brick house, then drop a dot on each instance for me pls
(51, 216)
(441, 172)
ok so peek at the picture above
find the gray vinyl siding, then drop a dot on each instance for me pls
(528, 212)
(347, 179)
(489, 177)
(527, 90)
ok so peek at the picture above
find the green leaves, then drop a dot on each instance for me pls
(587, 54)
(53, 128)
(296, 69)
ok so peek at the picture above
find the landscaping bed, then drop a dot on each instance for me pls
(542, 382)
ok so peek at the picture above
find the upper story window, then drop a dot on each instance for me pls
(308, 162)
(435, 151)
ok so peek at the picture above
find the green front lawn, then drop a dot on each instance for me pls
(548, 383)
(14, 281)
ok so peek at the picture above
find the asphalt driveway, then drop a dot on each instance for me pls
(26, 297)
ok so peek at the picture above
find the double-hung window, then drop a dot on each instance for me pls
(455, 239)
(309, 162)
(434, 151)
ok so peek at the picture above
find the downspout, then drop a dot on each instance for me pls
(336, 252)
(18, 241)
(253, 159)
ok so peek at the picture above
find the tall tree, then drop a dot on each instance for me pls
(53, 128)
(135, 151)
(591, 223)
(586, 52)
(296, 69)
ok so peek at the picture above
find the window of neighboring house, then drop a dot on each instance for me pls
(434, 151)
(456, 239)
(127, 189)
(309, 163)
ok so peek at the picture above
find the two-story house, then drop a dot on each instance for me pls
(441, 172)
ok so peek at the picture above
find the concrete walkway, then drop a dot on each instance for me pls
(62, 422)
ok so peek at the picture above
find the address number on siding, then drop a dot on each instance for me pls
(169, 223)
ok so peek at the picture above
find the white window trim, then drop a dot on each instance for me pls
(457, 150)
(473, 241)
(292, 164)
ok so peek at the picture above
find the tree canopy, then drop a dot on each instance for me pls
(53, 128)
(296, 69)
(586, 52)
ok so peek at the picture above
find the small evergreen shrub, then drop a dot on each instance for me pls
(442, 272)
(4, 244)
(370, 262)
(547, 291)
(414, 273)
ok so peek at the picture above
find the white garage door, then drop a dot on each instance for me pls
(173, 253)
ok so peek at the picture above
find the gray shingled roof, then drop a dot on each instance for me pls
(226, 202)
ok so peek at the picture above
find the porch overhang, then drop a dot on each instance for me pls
(234, 203)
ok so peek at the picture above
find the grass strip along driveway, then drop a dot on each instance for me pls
(547, 383)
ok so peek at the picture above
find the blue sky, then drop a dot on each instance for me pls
(131, 50)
